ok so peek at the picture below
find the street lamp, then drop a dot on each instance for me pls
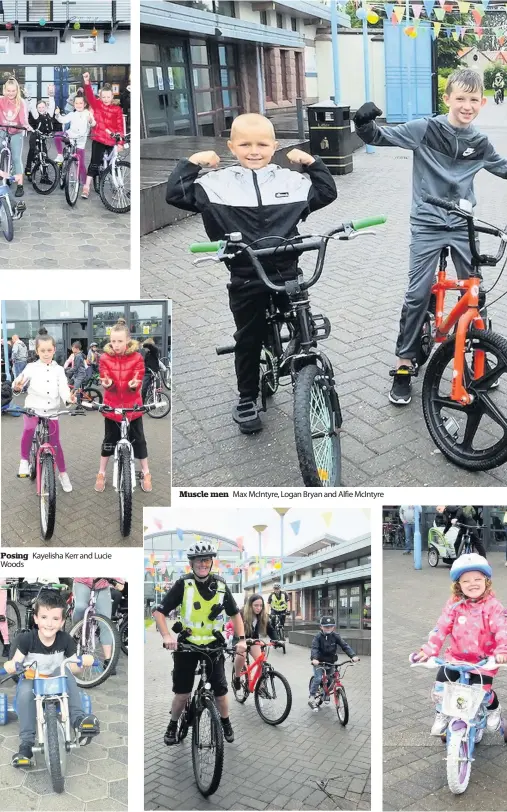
(260, 528)
(281, 512)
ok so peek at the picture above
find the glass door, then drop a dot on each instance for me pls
(349, 607)
(176, 76)
(57, 331)
(165, 88)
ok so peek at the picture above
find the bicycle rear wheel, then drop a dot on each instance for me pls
(72, 182)
(125, 490)
(47, 498)
(472, 436)
(6, 224)
(342, 705)
(207, 747)
(316, 429)
(13, 618)
(273, 697)
(99, 628)
(114, 189)
(162, 399)
(92, 395)
(44, 176)
(124, 636)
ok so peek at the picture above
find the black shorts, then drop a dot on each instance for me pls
(184, 673)
(136, 436)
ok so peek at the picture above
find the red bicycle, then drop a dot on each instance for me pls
(272, 693)
(332, 685)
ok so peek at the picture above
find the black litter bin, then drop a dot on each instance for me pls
(330, 135)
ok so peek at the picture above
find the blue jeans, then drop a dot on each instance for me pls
(317, 677)
(25, 705)
(102, 607)
(19, 367)
(16, 150)
(409, 537)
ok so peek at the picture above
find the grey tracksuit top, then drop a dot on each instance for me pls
(446, 160)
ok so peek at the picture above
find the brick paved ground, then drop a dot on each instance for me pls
(414, 769)
(83, 518)
(361, 292)
(52, 234)
(96, 774)
(266, 767)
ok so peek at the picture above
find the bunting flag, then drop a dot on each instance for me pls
(151, 571)
(464, 8)
(479, 10)
(448, 8)
(389, 9)
(239, 542)
(179, 533)
(180, 554)
(455, 35)
(165, 557)
(197, 537)
(439, 14)
(448, 33)
(485, 4)
(442, 2)
(151, 558)
(158, 523)
(295, 526)
(237, 570)
(435, 31)
(429, 5)
(416, 10)
(327, 518)
(399, 13)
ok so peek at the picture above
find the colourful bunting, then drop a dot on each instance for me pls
(389, 9)
(464, 8)
(327, 518)
(442, 2)
(295, 527)
(179, 533)
(416, 10)
(429, 5)
(439, 14)
(239, 542)
(399, 13)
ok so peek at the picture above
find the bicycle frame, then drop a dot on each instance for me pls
(124, 441)
(43, 446)
(334, 680)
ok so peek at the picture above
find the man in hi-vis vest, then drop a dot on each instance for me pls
(204, 599)
(279, 602)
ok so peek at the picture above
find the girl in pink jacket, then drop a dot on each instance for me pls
(477, 624)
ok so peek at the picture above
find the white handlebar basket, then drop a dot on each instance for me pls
(462, 701)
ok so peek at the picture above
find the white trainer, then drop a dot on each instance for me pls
(65, 482)
(24, 468)
(440, 724)
(493, 718)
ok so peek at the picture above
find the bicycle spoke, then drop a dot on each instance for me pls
(491, 409)
(473, 420)
(320, 425)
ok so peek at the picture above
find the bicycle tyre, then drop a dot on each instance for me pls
(14, 621)
(106, 180)
(96, 182)
(307, 386)
(458, 772)
(239, 695)
(99, 676)
(473, 459)
(269, 376)
(161, 397)
(217, 741)
(92, 395)
(123, 631)
(426, 341)
(50, 170)
(72, 184)
(53, 745)
(47, 498)
(63, 173)
(6, 223)
(125, 490)
(166, 377)
(260, 683)
(32, 461)
(342, 705)
(182, 726)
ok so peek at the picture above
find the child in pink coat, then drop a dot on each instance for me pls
(477, 625)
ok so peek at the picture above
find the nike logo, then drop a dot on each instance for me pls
(468, 152)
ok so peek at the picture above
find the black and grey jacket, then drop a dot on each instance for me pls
(446, 160)
(325, 647)
(267, 202)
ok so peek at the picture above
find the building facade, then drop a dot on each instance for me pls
(327, 576)
(203, 63)
(46, 42)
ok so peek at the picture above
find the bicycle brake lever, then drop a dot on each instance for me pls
(202, 260)
(354, 234)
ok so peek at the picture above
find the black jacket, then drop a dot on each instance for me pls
(267, 202)
(44, 123)
(325, 647)
(151, 356)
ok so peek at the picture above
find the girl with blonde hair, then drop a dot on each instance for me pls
(13, 112)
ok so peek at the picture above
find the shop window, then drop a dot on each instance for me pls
(150, 52)
(199, 52)
(17, 309)
(201, 78)
(203, 102)
(365, 559)
(367, 605)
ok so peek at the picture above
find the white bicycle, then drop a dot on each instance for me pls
(113, 181)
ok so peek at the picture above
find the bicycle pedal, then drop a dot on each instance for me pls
(23, 476)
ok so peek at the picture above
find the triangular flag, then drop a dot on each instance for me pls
(327, 518)
(399, 13)
(389, 9)
(197, 537)
(152, 558)
(429, 5)
(485, 3)
(179, 533)
(442, 2)
(439, 14)
(455, 36)
(448, 8)
(295, 527)
(463, 31)
(416, 10)
(417, 24)
(239, 542)
(436, 29)
(479, 7)
(463, 7)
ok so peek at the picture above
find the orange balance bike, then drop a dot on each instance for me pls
(272, 693)
(464, 406)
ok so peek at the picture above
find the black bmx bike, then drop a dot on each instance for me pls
(294, 358)
(44, 171)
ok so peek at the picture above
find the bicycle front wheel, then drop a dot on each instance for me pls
(98, 629)
(273, 697)
(125, 490)
(55, 747)
(124, 636)
(207, 747)
(6, 224)
(458, 765)
(92, 395)
(72, 182)
(342, 705)
(316, 429)
(474, 435)
(163, 401)
(47, 497)
(114, 187)
(44, 176)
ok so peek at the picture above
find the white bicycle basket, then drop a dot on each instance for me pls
(462, 701)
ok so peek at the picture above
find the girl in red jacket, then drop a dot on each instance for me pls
(121, 370)
(109, 119)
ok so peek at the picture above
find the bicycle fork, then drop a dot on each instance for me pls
(45, 448)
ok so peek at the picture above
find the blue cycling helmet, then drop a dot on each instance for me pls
(471, 562)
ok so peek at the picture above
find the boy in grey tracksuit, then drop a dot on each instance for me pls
(448, 153)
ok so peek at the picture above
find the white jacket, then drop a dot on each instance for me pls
(48, 385)
(80, 126)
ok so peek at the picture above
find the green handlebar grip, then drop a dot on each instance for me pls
(205, 247)
(357, 225)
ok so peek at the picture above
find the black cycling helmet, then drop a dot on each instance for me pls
(327, 620)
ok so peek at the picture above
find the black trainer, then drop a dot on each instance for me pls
(246, 414)
(19, 191)
(23, 757)
(237, 683)
(112, 673)
(401, 390)
(228, 731)
(170, 734)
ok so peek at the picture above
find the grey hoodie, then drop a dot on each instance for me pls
(446, 160)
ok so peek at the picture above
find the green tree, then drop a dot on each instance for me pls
(447, 48)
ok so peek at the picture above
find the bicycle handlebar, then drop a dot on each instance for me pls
(4, 125)
(337, 665)
(488, 664)
(298, 245)
(101, 407)
(473, 227)
(190, 648)
(32, 413)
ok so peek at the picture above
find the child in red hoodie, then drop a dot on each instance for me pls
(121, 370)
(109, 119)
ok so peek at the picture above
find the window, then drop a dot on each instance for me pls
(298, 576)
(352, 562)
(264, 17)
(365, 559)
(316, 571)
(279, 20)
(283, 68)
(40, 46)
(28, 309)
(367, 605)
(268, 84)
(227, 9)
(294, 23)
(150, 52)
(64, 309)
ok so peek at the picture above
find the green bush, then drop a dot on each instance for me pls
(445, 72)
(490, 73)
(442, 107)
